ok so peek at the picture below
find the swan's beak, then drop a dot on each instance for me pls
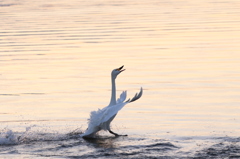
(120, 68)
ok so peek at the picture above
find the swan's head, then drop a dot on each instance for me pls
(117, 71)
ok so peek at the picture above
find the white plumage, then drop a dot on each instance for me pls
(101, 119)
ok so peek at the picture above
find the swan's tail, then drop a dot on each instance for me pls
(136, 97)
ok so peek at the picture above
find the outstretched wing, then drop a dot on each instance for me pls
(111, 111)
(136, 97)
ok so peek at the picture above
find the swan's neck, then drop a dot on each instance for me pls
(113, 96)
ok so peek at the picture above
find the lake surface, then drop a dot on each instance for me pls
(56, 58)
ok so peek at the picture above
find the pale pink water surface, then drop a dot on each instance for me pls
(56, 58)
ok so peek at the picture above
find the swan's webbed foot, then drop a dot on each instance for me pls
(116, 133)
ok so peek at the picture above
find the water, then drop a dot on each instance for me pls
(56, 58)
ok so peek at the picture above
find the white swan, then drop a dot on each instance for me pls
(101, 119)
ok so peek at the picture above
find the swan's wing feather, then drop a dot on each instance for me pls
(136, 97)
(93, 123)
(100, 116)
(95, 117)
(111, 111)
(122, 97)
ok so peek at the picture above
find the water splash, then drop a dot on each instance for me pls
(34, 133)
(7, 137)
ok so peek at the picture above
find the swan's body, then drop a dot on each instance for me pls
(101, 119)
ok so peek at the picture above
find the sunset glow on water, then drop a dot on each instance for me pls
(56, 58)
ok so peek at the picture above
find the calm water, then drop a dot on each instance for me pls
(56, 58)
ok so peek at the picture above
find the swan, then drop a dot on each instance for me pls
(101, 119)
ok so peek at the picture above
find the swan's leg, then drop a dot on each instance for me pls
(116, 133)
(113, 133)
